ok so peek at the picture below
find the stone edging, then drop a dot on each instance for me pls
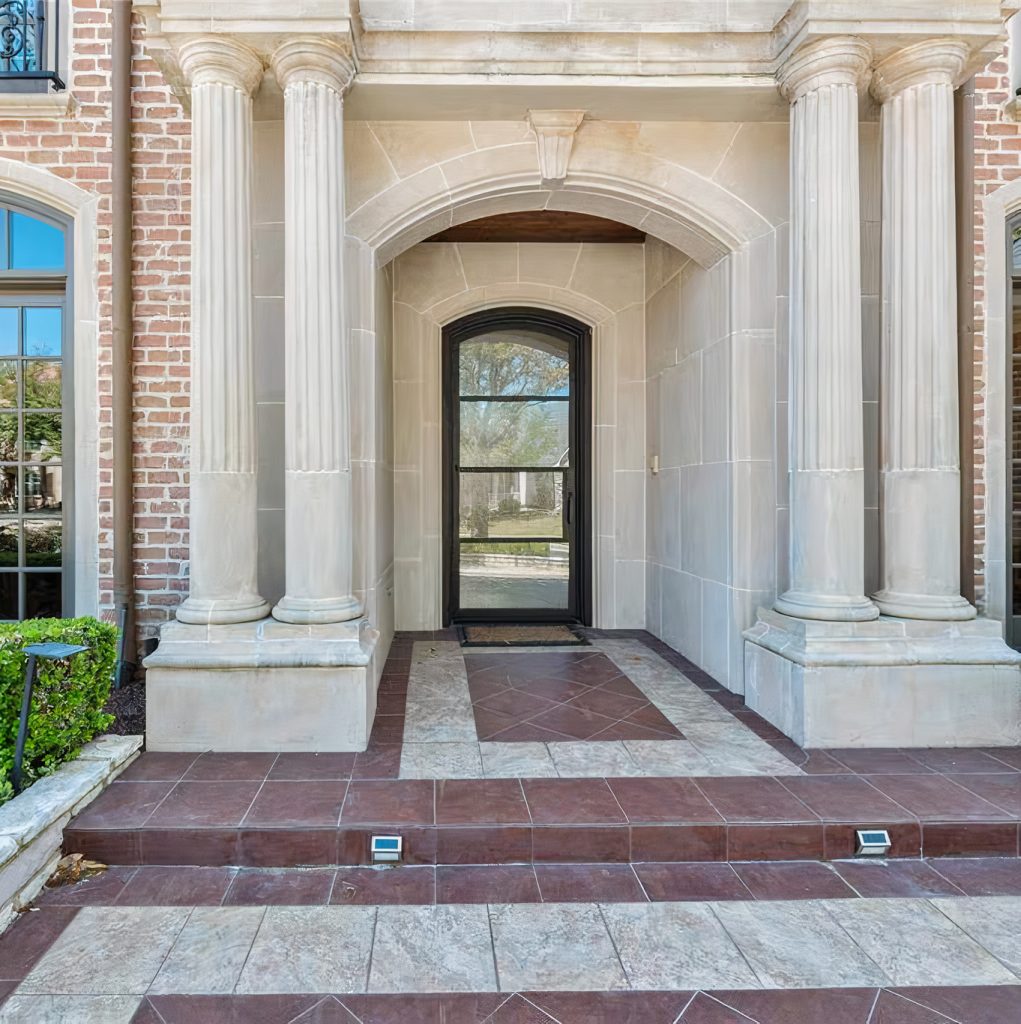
(32, 824)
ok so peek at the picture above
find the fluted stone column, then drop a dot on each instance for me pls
(224, 535)
(920, 468)
(314, 74)
(827, 520)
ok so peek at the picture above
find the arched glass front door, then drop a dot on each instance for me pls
(516, 494)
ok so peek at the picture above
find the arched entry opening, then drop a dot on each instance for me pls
(516, 474)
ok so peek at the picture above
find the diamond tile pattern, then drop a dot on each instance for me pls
(559, 695)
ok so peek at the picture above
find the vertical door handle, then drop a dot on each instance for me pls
(567, 511)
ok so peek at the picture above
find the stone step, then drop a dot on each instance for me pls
(124, 885)
(853, 961)
(263, 811)
(907, 1005)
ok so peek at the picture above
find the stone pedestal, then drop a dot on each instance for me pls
(885, 683)
(264, 685)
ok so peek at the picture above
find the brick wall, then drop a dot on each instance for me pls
(997, 161)
(78, 148)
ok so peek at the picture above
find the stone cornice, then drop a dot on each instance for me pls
(306, 58)
(840, 60)
(940, 61)
(220, 60)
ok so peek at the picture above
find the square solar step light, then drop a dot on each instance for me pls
(873, 842)
(386, 849)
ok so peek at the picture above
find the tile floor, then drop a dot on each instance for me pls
(96, 963)
(559, 696)
(616, 708)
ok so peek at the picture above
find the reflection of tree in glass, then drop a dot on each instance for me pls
(508, 433)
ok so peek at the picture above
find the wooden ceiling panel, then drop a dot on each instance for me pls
(541, 226)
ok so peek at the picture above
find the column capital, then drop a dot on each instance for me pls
(837, 60)
(932, 61)
(220, 60)
(314, 59)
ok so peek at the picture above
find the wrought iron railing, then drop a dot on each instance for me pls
(28, 41)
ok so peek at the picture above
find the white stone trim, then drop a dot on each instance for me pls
(673, 203)
(36, 104)
(32, 824)
(44, 187)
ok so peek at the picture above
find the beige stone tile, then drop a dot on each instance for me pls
(668, 757)
(500, 133)
(488, 263)
(757, 168)
(427, 273)
(367, 170)
(675, 946)
(107, 951)
(310, 949)
(994, 922)
(548, 263)
(432, 949)
(592, 759)
(797, 945)
(612, 274)
(209, 953)
(441, 761)
(517, 760)
(700, 145)
(26, 1009)
(414, 145)
(520, 160)
(554, 946)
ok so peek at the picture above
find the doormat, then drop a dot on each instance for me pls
(520, 636)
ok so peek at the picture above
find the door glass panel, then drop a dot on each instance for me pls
(514, 362)
(511, 505)
(518, 433)
(514, 472)
(520, 575)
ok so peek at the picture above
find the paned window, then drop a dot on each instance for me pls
(34, 415)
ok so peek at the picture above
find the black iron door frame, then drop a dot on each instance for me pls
(578, 503)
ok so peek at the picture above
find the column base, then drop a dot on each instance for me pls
(220, 611)
(263, 685)
(924, 606)
(804, 605)
(309, 610)
(884, 683)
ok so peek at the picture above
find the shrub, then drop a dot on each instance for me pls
(68, 699)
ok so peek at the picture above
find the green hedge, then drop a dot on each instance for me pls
(67, 704)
